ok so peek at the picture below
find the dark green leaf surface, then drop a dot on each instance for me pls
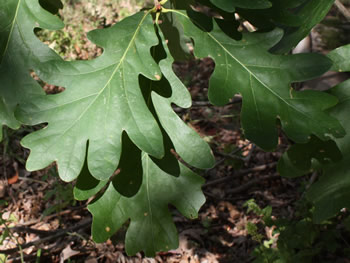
(297, 161)
(310, 14)
(280, 14)
(331, 193)
(151, 228)
(177, 41)
(229, 5)
(102, 99)
(264, 80)
(20, 52)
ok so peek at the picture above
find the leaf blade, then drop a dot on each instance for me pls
(20, 52)
(111, 92)
(264, 80)
(151, 228)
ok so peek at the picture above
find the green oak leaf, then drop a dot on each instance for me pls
(297, 161)
(331, 193)
(128, 177)
(172, 29)
(264, 81)
(340, 57)
(20, 52)
(102, 98)
(187, 143)
(126, 180)
(293, 35)
(280, 14)
(292, 16)
(230, 5)
(151, 228)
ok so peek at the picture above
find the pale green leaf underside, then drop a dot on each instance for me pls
(21, 51)
(340, 57)
(102, 99)
(264, 80)
(151, 227)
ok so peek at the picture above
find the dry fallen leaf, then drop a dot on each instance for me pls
(67, 253)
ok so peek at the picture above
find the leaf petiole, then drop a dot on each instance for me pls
(158, 6)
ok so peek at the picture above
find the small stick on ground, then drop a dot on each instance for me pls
(342, 9)
(239, 174)
(251, 183)
(54, 235)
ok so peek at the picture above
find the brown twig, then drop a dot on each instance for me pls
(251, 183)
(51, 235)
(239, 174)
(225, 157)
(46, 218)
(342, 9)
(197, 104)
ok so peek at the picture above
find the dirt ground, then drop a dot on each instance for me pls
(41, 217)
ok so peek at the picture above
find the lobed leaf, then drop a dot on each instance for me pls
(280, 14)
(293, 35)
(187, 143)
(102, 99)
(21, 52)
(331, 193)
(151, 228)
(264, 81)
(292, 16)
(299, 159)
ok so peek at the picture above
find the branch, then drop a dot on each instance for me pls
(249, 184)
(234, 100)
(342, 9)
(239, 174)
(225, 157)
(50, 236)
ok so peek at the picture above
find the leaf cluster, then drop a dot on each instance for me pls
(114, 130)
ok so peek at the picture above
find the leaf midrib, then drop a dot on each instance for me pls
(108, 81)
(149, 198)
(248, 70)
